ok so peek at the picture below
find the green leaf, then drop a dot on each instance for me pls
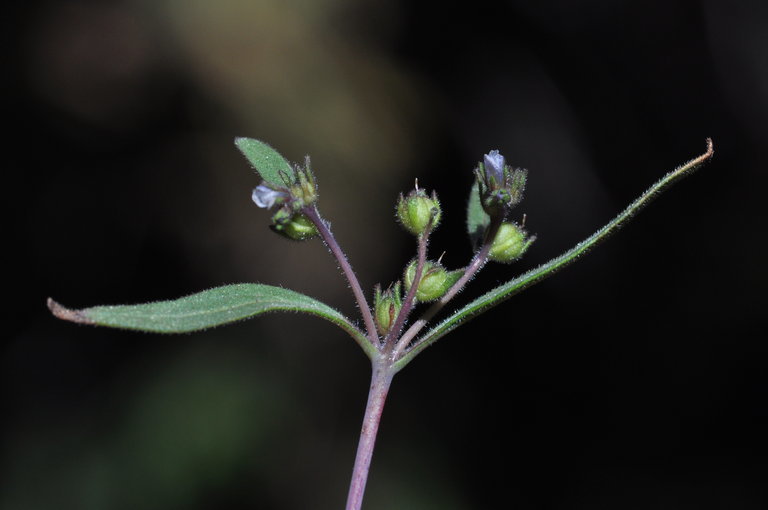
(477, 219)
(522, 282)
(207, 309)
(267, 162)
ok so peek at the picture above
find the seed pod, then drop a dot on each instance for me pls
(435, 280)
(510, 243)
(417, 211)
(386, 306)
(293, 226)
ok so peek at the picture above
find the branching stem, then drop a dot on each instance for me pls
(330, 241)
(410, 297)
(477, 263)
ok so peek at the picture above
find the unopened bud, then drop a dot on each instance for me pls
(510, 243)
(386, 306)
(435, 280)
(418, 212)
(501, 186)
(494, 164)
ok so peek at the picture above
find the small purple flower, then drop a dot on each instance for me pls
(494, 166)
(265, 197)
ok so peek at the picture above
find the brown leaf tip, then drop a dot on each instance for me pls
(67, 314)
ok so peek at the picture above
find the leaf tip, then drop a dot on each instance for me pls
(710, 149)
(63, 313)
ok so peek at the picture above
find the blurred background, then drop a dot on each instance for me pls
(634, 379)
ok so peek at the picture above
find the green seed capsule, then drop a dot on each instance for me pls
(386, 306)
(293, 226)
(510, 243)
(416, 211)
(435, 280)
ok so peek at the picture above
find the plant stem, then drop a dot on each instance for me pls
(408, 302)
(330, 241)
(381, 378)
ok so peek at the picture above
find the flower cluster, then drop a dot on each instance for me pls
(499, 187)
(298, 190)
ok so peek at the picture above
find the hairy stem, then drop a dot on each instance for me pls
(330, 241)
(477, 262)
(408, 302)
(381, 378)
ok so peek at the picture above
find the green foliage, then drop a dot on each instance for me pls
(496, 190)
(268, 163)
(232, 303)
(214, 307)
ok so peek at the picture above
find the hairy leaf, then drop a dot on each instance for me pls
(267, 162)
(213, 307)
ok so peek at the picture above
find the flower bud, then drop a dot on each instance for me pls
(418, 212)
(501, 186)
(295, 226)
(435, 280)
(510, 243)
(494, 164)
(386, 307)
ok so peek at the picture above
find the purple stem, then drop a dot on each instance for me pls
(381, 378)
(330, 241)
(408, 303)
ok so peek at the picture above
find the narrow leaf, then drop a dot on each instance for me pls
(267, 162)
(207, 309)
(477, 219)
(522, 282)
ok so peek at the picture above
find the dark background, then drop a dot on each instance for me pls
(635, 379)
